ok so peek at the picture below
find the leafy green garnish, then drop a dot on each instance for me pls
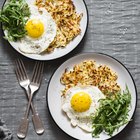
(112, 113)
(14, 16)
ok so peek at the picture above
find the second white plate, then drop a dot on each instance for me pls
(55, 87)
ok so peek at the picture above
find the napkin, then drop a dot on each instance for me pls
(5, 134)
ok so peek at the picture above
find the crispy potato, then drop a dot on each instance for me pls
(66, 18)
(88, 73)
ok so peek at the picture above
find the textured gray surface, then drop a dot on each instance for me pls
(114, 29)
(5, 134)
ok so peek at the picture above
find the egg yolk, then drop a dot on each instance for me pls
(81, 101)
(35, 28)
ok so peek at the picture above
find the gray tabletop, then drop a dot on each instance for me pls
(114, 29)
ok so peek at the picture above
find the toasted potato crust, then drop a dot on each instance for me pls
(66, 18)
(89, 73)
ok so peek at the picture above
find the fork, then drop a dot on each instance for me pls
(24, 82)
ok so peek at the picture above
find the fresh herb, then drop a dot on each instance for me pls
(112, 113)
(14, 16)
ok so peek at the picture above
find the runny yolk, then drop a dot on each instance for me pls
(35, 28)
(81, 101)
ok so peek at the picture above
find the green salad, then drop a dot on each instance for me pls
(112, 113)
(14, 16)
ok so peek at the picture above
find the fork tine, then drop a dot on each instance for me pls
(18, 75)
(18, 72)
(39, 76)
(38, 70)
(35, 71)
(21, 69)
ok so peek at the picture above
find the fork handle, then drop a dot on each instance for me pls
(22, 131)
(38, 125)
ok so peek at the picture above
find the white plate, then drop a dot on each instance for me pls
(80, 8)
(54, 88)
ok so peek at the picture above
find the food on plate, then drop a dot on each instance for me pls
(39, 26)
(14, 16)
(79, 103)
(89, 73)
(93, 100)
(112, 113)
(41, 31)
(66, 18)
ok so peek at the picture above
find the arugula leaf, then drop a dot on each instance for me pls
(112, 113)
(14, 16)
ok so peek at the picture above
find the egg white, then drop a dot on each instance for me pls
(82, 119)
(37, 45)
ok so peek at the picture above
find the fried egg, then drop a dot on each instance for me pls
(79, 103)
(41, 31)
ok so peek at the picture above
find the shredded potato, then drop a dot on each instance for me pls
(88, 73)
(66, 18)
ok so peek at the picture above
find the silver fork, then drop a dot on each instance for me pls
(24, 82)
